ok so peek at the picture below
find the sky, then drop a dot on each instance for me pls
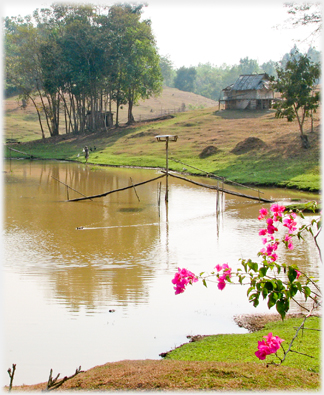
(209, 31)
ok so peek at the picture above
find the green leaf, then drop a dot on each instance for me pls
(282, 307)
(264, 292)
(307, 292)
(263, 271)
(292, 274)
(204, 282)
(253, 266)
(293, 290)
(273, 297)
(269, 285)
(249, 290)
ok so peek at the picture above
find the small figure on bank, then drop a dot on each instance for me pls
(86, 153)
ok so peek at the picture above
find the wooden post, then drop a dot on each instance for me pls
(167, 168)
(159, 196)
(217, 198)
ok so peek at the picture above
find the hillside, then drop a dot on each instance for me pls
(250, 147)
(22, 124)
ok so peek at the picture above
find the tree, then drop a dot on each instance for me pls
(306, 14)
(249, 66)
(167, 71)
(185, 79)
(77, 59)
(296, 84)
(270, 68)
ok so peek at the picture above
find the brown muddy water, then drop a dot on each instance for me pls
(103, 292)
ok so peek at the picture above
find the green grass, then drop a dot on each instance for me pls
(241, 347)
(283, 164)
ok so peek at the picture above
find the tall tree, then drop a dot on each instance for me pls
(185, 79)
(139, 66)
(168, 73)
(296, 83)
(249, 66)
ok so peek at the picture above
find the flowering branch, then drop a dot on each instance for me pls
(262, 277)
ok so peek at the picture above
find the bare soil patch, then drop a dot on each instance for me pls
(248, 144)
(208, 151)
(256, 322)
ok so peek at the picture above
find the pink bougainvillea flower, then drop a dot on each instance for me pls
(277, 210)
(262, 232)
(221, 284)
(268, 346)
(271, 228)
(290, 222)
(225, 276)
(263, 213)
(262, 350)
(181, 279)
(273, 257)
(298, 274)
(273, 343)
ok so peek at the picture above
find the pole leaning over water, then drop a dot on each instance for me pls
(224, 190)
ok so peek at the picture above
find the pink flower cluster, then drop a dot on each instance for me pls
(268, 346)
(276, 214)
(181, 279)
(225, 276)
(290, 222)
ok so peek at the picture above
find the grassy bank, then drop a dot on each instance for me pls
(221, 362)
(241, 347)
(247, 147)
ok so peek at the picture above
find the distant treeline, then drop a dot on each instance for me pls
(75, 61)
(209, 80)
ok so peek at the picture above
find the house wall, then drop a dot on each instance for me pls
(248, 99)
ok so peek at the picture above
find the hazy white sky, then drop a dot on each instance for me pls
(214, 31)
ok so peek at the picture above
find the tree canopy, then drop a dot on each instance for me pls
(80, 59)
(296, 83)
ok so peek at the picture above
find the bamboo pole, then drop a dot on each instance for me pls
(71, 188)
(20, 152)
(115, 190)
(224, 190)
(134, 189)
(216, 177)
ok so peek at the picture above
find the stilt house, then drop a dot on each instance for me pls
(251, 92)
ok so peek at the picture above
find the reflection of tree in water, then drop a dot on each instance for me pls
(94, 287)
(102, 266)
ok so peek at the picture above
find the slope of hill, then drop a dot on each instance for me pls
(22, 124)
(249, 147)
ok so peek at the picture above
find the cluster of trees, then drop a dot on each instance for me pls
(77, 60)
(208, 80)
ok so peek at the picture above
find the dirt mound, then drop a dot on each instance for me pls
(208, 151)
(248, 144)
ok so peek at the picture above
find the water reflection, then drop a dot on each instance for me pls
(70, 263)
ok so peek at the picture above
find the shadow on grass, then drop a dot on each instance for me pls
(242, 114)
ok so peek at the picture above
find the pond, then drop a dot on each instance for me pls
(89, 282)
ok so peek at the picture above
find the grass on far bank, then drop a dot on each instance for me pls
(220, 362)
(280, 161)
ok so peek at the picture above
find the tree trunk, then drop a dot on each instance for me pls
(305, 142)
(130, 112)
(39, 117)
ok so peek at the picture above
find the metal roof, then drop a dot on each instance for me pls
(251, 82)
